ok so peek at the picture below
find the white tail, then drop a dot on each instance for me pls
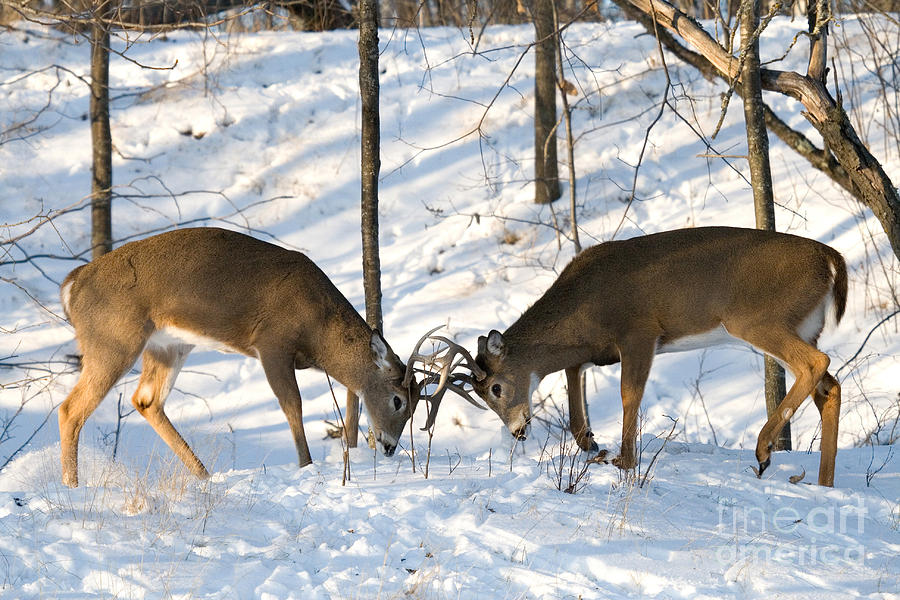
(163, 295)
(626, 301)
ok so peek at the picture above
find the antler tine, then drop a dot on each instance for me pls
(407, 378)
(460, 390)
(433, 409)
(439, 395)
(448, 364)
(434, 358)
(446, 361)
(466, 356)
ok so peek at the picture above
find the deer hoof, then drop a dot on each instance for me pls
(623, 463)
(587, 443)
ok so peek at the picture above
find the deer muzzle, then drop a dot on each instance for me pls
(388, 444)
(518, 425)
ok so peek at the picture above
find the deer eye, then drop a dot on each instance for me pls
(496, 389)
(398, 403)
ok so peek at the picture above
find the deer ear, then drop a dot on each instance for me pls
(493, 344)
(381, 354)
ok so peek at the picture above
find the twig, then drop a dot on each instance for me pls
(29, 438)
(660, 449)
(837, 373)
(662, 108)
(345, 476)
(870, 473)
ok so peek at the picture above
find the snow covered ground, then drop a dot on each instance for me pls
(260, 133)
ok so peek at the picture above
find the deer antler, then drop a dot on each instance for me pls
(439, 367)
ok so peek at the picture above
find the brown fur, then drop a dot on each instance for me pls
(251, 297)
(624, 300)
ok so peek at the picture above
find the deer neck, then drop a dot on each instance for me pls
(545, 349)
(344, 351)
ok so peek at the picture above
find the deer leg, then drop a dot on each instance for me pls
(807, 377)
(636, 357)
(283, 381)
(579, 423)
(93, 384)
(827, 397)
(807, 364)
(101, 368)
(160, 368)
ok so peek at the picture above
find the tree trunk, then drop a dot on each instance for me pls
(101, 138)
(546, 169)
(761, 181)
(369, 169)
(869, 182)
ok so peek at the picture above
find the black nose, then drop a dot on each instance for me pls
(519, 434)
(388, 450)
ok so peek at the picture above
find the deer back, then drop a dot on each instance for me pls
(684, 282)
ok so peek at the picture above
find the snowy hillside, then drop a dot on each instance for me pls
(260, 133)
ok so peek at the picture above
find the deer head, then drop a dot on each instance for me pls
(386, 395)
(506, 385)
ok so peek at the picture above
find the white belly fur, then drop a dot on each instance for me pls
(713, 337)
(808, 330)
(175, 336)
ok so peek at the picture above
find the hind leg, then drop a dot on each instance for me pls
(637, 357)
(161, 365)
(99, 372)
(827, 397)
(805, 361)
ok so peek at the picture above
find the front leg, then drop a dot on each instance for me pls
(637, 356)
(579, 423)
(279, 370)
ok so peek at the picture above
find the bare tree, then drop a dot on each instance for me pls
(546, 169)
(761, 181)
(369, 168)
(865, 177)
(101, 136)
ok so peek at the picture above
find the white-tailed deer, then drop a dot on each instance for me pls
(163, 295)
(625, 301)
